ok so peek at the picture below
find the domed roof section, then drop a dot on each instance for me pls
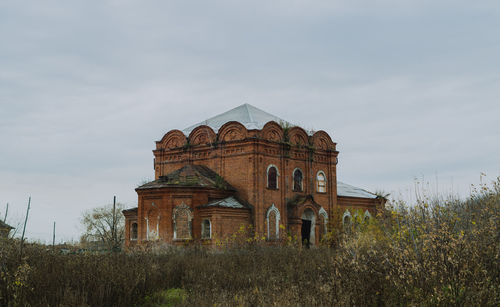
(246, 114)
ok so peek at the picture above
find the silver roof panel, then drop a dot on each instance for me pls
(347, 190)
(246, 114)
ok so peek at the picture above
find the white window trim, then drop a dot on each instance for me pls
(278, 218)
(301, 182)
(346, 213)
(209, 229)
(190, 219)
(277, 175)
(324, 214)
(317, 181)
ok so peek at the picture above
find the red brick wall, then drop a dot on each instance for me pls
(242, 157)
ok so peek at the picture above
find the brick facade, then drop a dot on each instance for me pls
(243, 158)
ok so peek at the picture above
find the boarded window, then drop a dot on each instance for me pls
(321, 181)
(297, 180)
(182, 222)
(206, 229)
(272, 178)
(134, 231)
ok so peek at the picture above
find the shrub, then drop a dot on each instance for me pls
(445, 252)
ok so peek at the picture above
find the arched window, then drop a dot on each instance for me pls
(321, 182)
(133, 231)
(182, 217)
(324, 219)
(272, 177)
(206, 229)
(367, 216)
(273, 223)
(297, 180)
(346, 218)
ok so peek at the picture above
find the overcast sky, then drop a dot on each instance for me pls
(408, 89)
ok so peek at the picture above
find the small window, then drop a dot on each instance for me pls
(347, 220)
(367, 216)
(297, 180)
(321, 182)
(206, 229)
(272, 177)
(134, 231)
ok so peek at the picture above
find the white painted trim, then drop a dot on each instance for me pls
(278, 218)
(317, 181)
(323, 213)
(346, 213)
(277, 175)
(190, 218)
(209, 228)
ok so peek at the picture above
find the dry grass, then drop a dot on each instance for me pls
(442, 253)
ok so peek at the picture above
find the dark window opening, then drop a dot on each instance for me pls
(272, 178)
(306, 233)
(134, 232)
(206, 231)
(297, 180)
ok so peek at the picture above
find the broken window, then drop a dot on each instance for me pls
(272, 177)
(134, 231)
(297, 180)
(321, 181)
(206, 229)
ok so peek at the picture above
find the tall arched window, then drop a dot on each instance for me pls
(273, 223)
(272, 177)
(182, 217)
(297, 180)
(321, 182)
(206, 229)
(133, 231)
(324, 220)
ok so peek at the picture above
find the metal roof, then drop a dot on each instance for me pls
(246, 114)
(229, 202)
(347, 190)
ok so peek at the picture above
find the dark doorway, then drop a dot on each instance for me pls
(306, 233)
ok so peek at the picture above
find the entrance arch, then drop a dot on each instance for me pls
(308, 227)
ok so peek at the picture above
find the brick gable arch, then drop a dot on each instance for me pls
(172, 139)
(298, 136)
(321, 140)
(202, 135)
(272, 131)
(232, 131)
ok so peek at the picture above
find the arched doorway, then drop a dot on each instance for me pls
(308, 227)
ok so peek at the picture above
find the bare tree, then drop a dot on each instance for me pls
(104, 225)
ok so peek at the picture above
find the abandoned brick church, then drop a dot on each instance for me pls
(243, 167)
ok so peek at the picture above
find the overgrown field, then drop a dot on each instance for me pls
(432, 253)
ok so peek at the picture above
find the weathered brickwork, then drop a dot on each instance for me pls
(242, 157)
